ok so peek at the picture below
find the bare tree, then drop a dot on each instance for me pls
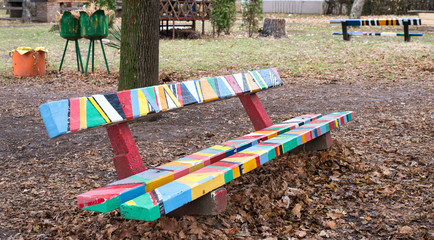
(356, 9)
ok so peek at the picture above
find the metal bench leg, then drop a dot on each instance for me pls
(127, 159)
(63, 56)
(345, 32)
(406, 32)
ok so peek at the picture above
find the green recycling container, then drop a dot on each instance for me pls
(69, 27)
(94, 27)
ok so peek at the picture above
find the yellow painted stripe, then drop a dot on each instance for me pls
(172, 96)
(161, 98)
(270, 134)
(199, 91)
(381, 22)
(131, 203)
(143, 103)
(236, 172)
(221, 147)
(252, 85)
(83, 121)
(240, 159)
(160, 181)
(107, 120)
(204, 154)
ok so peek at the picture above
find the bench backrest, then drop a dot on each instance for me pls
(377, 22)
(75, 114)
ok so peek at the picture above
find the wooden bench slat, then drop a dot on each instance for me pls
(173, 195)
(75, 114)
(377, 22)
(379, 34)
(110, 197)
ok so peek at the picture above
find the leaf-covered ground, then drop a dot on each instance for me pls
(376, 182)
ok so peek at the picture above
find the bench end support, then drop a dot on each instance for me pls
(210, 204)
(322, 142)
(256, 111)
(127, 158)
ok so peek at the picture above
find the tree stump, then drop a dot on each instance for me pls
(273, 27)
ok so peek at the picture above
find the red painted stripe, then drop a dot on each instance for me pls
(153, 198)
(178, 85)
(74, 114)
(210, 170)
(100, 195)
(125, 99)
(226, 164)
(233, 84)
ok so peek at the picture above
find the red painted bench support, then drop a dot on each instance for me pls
(256, 111)
(127, 158)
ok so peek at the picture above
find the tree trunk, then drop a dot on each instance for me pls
(356, 9)
(139, 45)
(26, 15)
(273, 27)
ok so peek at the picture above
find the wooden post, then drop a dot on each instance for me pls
(127, 158)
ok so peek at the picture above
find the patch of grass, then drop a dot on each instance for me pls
(309, 51)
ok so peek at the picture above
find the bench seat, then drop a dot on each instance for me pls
(110, 197)
(175, 194)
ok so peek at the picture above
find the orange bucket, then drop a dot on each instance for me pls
(27, 62)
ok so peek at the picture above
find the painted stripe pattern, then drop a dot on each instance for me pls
(65, 116)
(110, 197)
(378, 22)
(192, 186)
(388, 34)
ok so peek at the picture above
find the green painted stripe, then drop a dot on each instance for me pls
(92, 115)
(141, 179)
(107, 206)
(144, 210)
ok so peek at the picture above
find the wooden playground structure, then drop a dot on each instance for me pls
(184, 10)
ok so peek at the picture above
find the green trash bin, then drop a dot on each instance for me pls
(70, 30)
(94, 27)
(69, 27)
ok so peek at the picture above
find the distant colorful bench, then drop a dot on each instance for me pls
(377, 22)
(114, 110)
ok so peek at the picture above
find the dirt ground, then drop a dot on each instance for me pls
(376, 182)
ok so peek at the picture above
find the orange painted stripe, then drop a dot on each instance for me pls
(207, 91)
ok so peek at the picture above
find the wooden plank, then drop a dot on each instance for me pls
(56, 114)
(110, 197)
(162, 200)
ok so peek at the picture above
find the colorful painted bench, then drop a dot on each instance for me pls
(377, 22)
(114, 110)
